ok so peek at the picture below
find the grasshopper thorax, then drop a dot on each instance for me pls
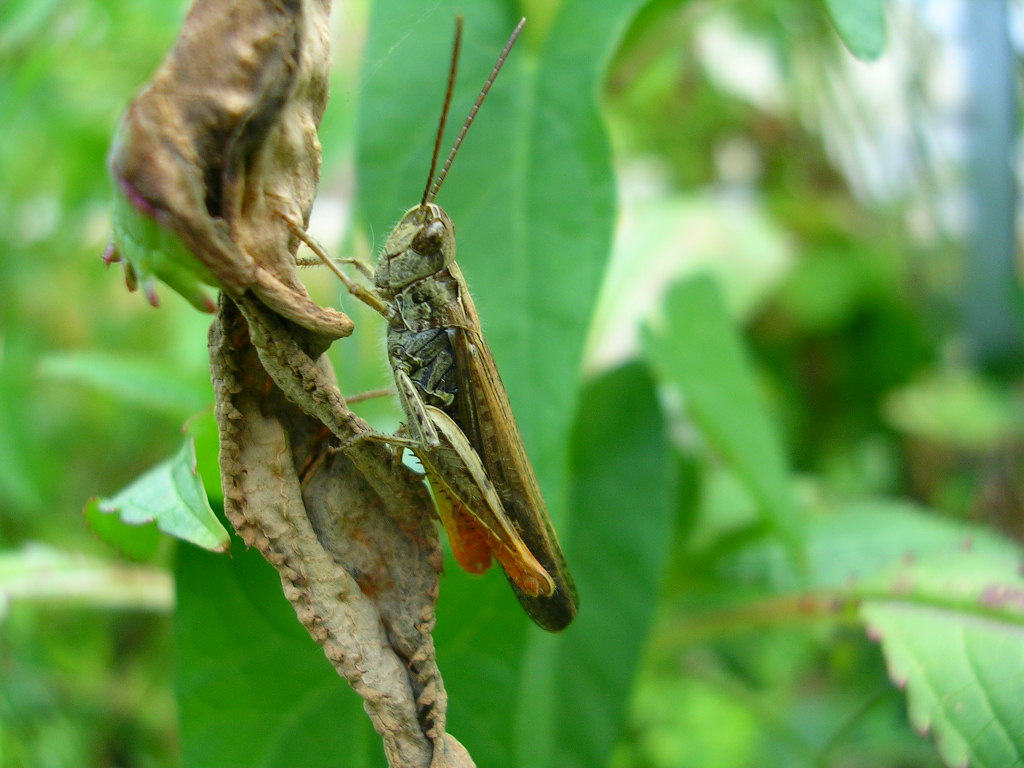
(420, 245)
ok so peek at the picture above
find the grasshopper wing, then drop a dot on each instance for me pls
(471, 511)
(487, 421)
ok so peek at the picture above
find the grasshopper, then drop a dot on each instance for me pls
(459, 423)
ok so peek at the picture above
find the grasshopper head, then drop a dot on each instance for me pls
(422, 243)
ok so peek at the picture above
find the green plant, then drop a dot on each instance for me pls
(740, 497)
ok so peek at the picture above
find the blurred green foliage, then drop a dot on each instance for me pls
(792, 449)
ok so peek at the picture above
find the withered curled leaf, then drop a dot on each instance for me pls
(218, 148)
(356, 549)
(214, 159)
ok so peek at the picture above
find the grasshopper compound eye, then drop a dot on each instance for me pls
(430, 238)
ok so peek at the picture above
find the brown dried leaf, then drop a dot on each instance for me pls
(357, 552)
(221, 150)
(221, 146)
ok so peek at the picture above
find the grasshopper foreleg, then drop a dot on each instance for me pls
(366, 295)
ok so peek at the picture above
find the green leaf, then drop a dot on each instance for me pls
(952, 630)
(253, 688)
(155, 385)
(532, 199)
(170, 494)
(699, 352)
(156, 253)
(696, 723)
(852, 546)
(945, 599)
(481, 639)
(203, 430)
(623, 495)
(957, 407)
(138, 541)
(41, 573)
(860, 24)
(963, 678)
(25, 469)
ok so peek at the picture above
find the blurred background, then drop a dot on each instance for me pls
(860, 218)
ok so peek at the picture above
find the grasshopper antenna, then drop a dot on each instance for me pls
(456, 47)
(431, 193)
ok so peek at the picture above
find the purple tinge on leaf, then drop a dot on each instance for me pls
(110, 254)
(135, 197)
(151, 296)
(1002, 596)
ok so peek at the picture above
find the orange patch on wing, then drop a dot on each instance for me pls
(473, 544)
(465, 534)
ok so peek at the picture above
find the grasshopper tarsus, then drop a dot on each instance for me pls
(394, 441)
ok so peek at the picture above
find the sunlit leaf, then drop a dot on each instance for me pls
(952, 630)
(155, 385)
(945, 599)
(171, 494)
(698, 350)
(860, 24)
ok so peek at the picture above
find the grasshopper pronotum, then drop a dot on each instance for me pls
(459, 423)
